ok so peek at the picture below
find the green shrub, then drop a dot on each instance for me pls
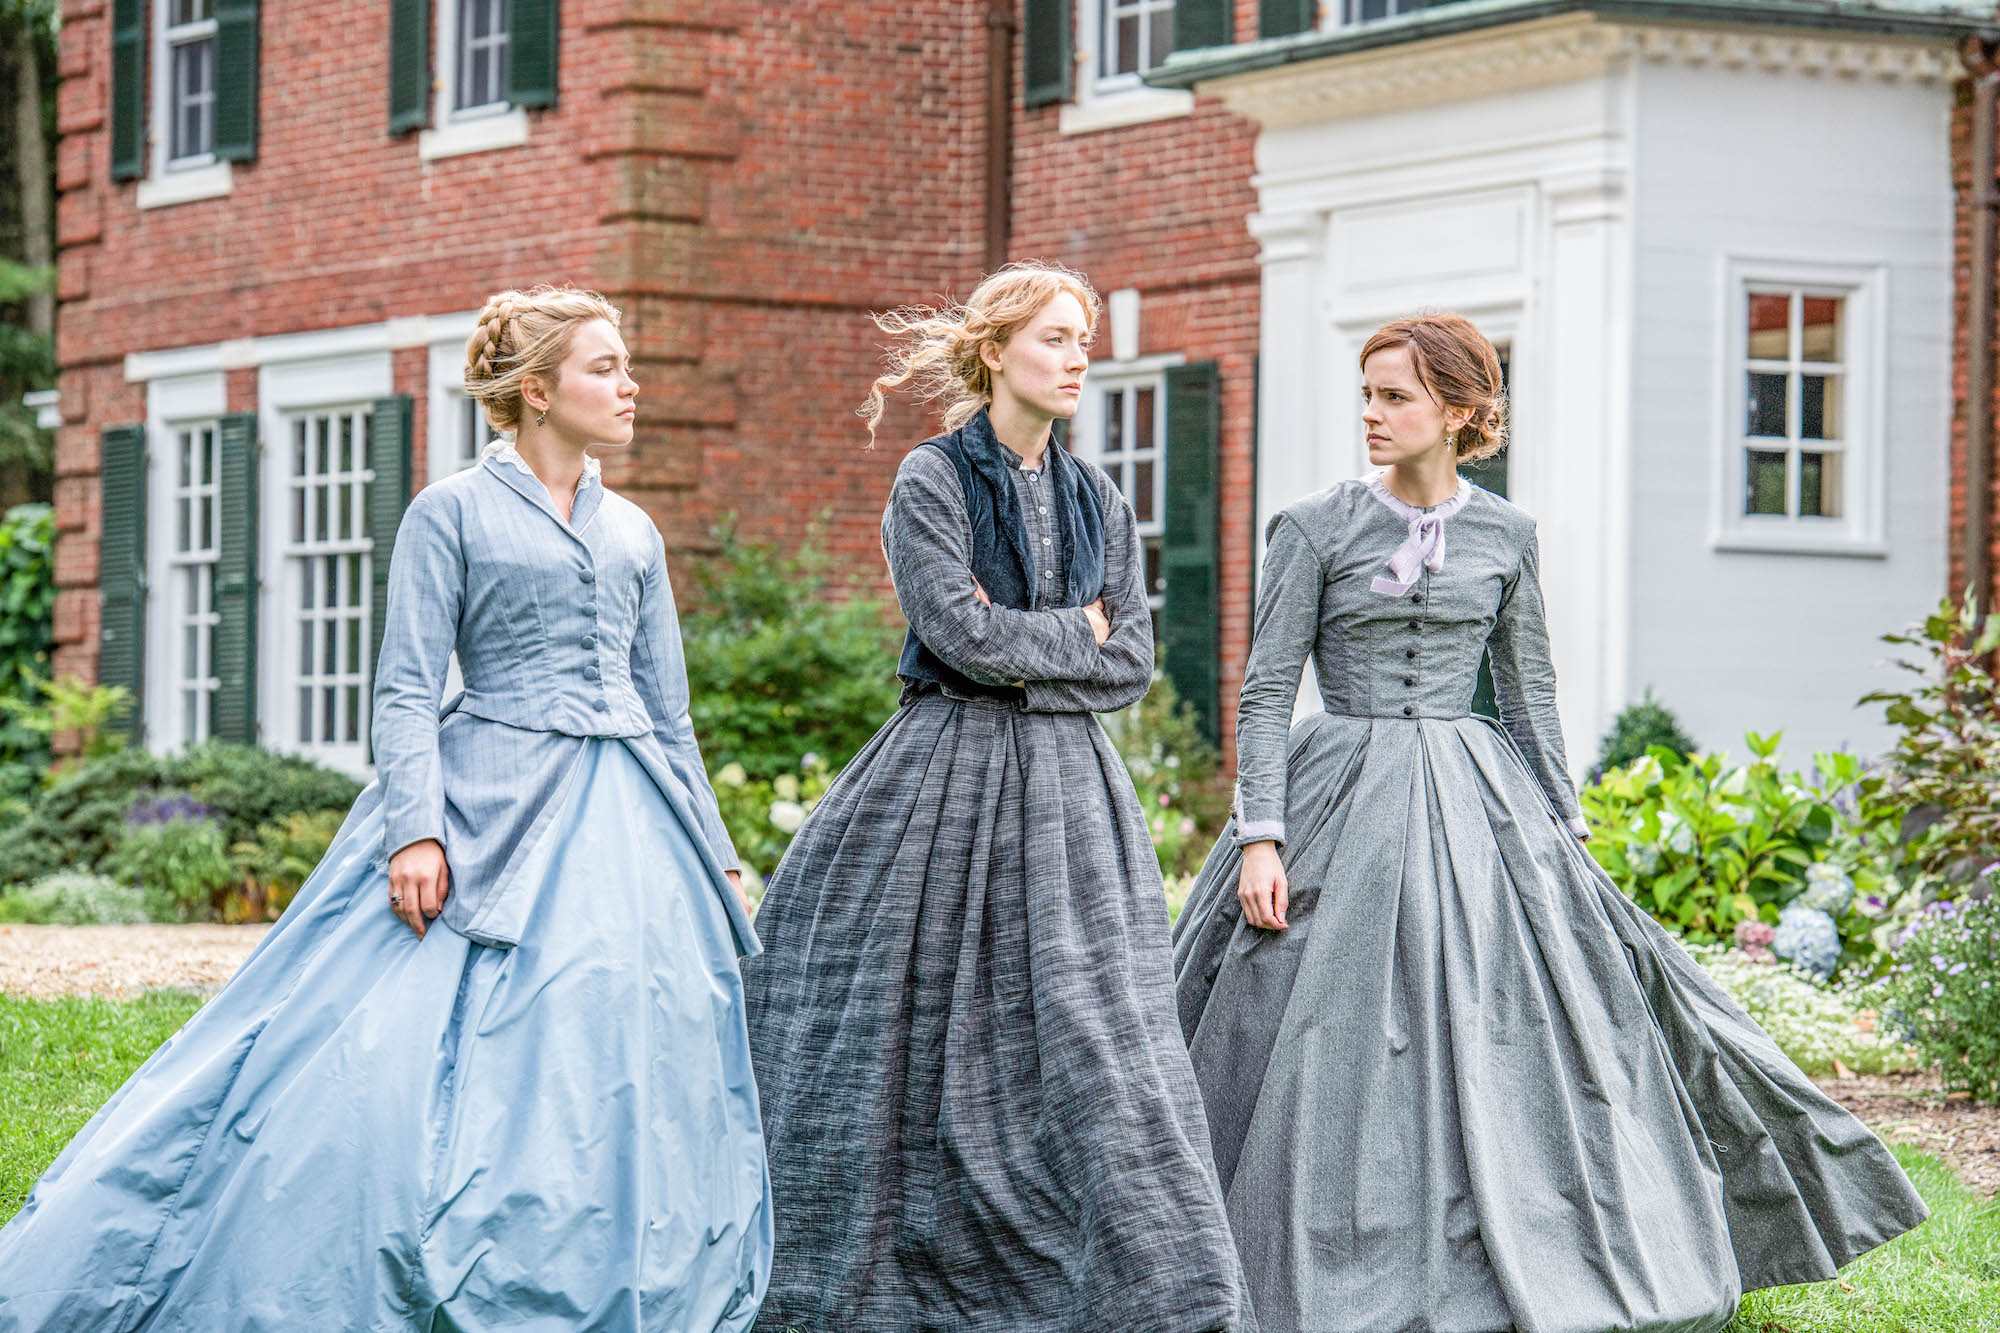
(276, 860)
(1176, 773)
(1813, 1025)
(763, 814)
(1945, 986)
(779, 667)
(79, 818)
(1637, 730)
(180, 864)
(1703, 846)
(74, 898)
(1942, 775)
(27, 622)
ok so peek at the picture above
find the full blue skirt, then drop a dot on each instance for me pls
(365, 1130)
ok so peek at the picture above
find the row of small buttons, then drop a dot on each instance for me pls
(1410, 682)
(591, 670)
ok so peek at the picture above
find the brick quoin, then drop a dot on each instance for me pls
(1962, 278)
(747, 181)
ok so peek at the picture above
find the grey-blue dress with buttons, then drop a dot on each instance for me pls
(541, 1115)
(1473, 1088)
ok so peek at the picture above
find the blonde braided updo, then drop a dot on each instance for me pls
(521, 334)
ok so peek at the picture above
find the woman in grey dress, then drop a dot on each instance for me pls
(979, 1111)
(1457, 1082)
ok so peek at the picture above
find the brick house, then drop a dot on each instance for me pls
(272, 241)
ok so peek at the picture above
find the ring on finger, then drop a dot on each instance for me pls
(396, 900)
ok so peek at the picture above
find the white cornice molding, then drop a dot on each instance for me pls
(313, 345)
(1561, 49)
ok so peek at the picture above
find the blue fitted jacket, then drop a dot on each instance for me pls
(564, 631)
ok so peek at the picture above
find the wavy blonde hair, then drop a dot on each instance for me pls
(522, 334)
(1457, 365)
(938, 349)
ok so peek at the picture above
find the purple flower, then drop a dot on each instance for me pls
(1937, 990)
(166, 809)
(1937, 961)
(1956, 968)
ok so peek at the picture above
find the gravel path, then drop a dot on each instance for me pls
(117, 960)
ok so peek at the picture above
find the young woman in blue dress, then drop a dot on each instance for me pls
(542, 1115)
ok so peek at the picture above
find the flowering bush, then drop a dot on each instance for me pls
(1813, 1025)
(172, 851)
(763, 814)
(1176, 773)
(275, 861)
(1945, 988)
(1705, 847)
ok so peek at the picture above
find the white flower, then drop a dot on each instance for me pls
(810, 759)
(786, 816)
(732, 775)
(787, 787)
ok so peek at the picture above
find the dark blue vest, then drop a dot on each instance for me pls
(1000, 558)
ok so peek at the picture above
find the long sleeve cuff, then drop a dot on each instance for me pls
(1264, 830)
(1578, 827)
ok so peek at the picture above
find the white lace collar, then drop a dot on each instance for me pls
(1409, 513)
(505, 452)
(1423, 548)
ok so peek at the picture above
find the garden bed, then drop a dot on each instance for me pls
(1913, 1109)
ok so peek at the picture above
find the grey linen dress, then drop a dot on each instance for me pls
(1473, 1088)
(979, 1110)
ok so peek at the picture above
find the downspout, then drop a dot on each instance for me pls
(1000, 27)
(1977, 538)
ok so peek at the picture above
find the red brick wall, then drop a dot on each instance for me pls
(1961, 173)
(1162, 207)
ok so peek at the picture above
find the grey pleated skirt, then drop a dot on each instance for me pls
(979, 1111)
(1474, 1088)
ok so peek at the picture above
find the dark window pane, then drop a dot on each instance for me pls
(1142, 419)
(1161, 39)
(1766, 491)
(1128, 46)
(1819, 485)
(1770, 326)
(1819, 407)
(1766, 402)
(1156, 582)
(1142, 492)
(1374, 9)
(1114, 422)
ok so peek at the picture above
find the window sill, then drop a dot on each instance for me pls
(1114, 110)
(479, 134)
(1795, 542)
(184, 187)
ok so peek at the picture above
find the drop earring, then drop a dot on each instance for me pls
(542, 417)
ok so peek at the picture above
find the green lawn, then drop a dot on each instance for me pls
(60, 1059)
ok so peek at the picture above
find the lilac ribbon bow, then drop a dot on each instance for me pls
(1424, 547)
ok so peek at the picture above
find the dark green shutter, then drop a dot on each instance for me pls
(236, 580)
(531, 52)
(1047, 44)
(121, 569)
(1282, 18)
(1191, 619)
(236, 80)
(128, 89)
(409, 64)
(1199, 23)
(388, 497)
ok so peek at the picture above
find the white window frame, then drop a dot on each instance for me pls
(449, 404)
(171, 180)
(1104, 103)
(1859, 531)
(286, 391)
(1087, 430)
(173, 405)
(477, 129)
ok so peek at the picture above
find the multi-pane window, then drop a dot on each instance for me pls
(1138, 34)
(192, 508)
(1133, 452)
(481, 58)
(1362, 11)
(468, 433)
(328, 568)
(1794, 405)
(190, 38)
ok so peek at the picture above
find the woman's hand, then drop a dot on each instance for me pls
(979, 591)
(1100, 624)
(1261, 886)
(736, 883)
(419, 882)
